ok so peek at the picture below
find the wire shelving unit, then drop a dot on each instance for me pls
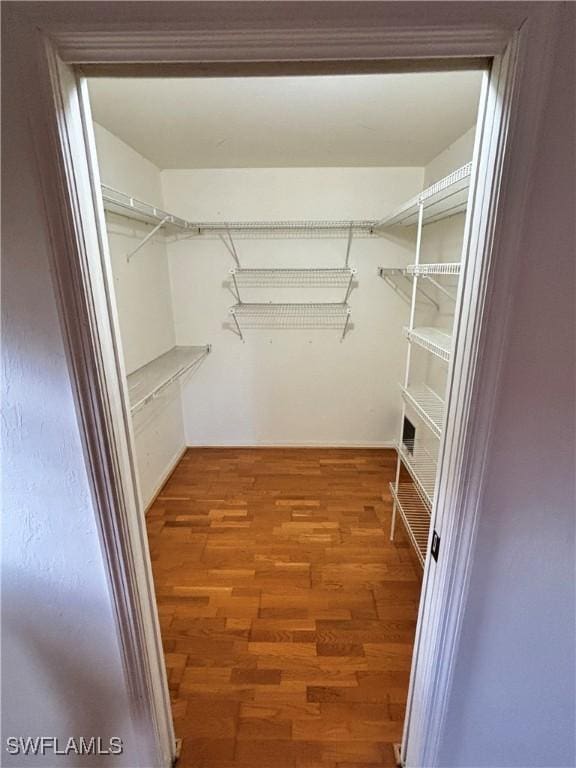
(325, 315)
(414, 501)
(149, 381)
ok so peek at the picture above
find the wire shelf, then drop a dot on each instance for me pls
(294, 277)
(421, 466)
(443, 199)
(326, 315)
(125, 205)
(151, 379)
(335, 227)
(427, 405)
(447, 268)
(292, 315)
(415, 515)
(433, 340)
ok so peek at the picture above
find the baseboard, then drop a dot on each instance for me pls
(305, 444)
(164, 477)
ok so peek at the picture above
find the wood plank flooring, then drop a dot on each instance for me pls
(287, 615)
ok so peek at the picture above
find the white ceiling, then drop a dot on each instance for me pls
(354, 120)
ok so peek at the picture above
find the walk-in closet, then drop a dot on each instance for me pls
(286, 255)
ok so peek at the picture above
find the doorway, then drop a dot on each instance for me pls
(288, 614)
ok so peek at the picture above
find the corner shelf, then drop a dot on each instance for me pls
(296, 315)
(415, 515)
(130, 207)
(151, 379)
(441, 200)
(427, 404)
(433, 340)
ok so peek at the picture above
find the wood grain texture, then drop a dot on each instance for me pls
(287, 615)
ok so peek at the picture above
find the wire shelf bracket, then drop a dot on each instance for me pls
(392, 276)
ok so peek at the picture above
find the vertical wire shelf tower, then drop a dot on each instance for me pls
(416, 469)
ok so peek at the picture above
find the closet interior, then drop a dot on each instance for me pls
(286, 257)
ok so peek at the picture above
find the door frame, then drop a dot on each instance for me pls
(64, 45)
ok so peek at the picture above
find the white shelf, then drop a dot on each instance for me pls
(427, 405)
(329, 278)
(446, 198)
(294, 277)
(302, 227)
(443, 268)
(151, 379)
(422, 469)
(415, 515)
(286, 315)
(433, 340)
(123, 205)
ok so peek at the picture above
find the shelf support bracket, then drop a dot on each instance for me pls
(236, 288)
(348, 247)
(440, 287)
(238, 329)
(230, 247)
(346, 324)
(148, 237)
(349, 288)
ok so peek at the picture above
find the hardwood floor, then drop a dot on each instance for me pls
(287, 614)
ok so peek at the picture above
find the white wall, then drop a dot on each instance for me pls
(513, 695)
(144, 302)
(457, 154)
(61, 666)
(284, 386)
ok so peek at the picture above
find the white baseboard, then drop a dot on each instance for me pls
(172, 464)
(305, 444)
